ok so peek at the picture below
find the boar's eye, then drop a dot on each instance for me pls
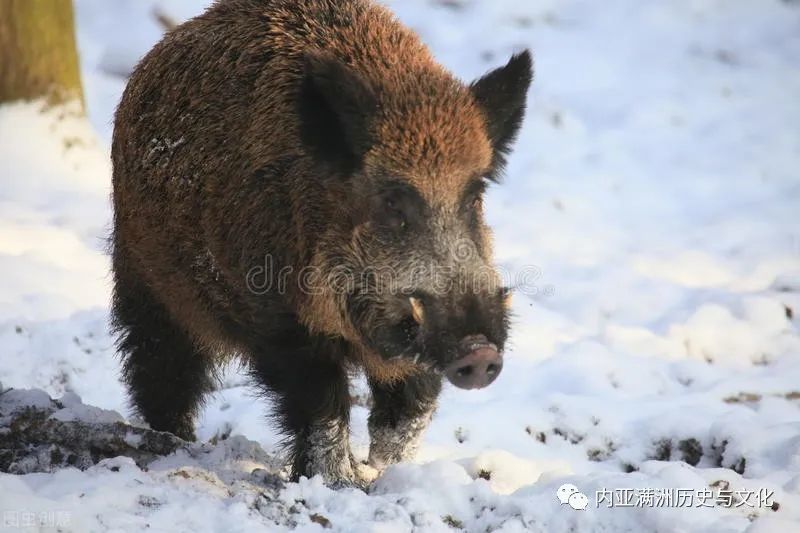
(398, 207)
(393, 215)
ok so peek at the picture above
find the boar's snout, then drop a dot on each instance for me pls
(478, 365)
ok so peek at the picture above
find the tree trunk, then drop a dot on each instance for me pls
(38, 55)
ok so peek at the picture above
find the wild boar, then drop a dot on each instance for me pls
(300, 184)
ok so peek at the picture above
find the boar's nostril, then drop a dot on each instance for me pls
(464, 371)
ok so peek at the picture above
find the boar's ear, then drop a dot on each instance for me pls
(501, 94)
(335, 108)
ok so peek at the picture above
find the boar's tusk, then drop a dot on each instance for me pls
(417, 310)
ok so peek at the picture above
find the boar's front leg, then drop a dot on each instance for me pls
(307, 378)
(400, 414)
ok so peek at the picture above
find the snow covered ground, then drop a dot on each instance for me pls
(649, 216)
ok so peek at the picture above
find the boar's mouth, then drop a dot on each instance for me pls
(475, 363)
(427, 333)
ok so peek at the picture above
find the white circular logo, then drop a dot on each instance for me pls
(570, 495)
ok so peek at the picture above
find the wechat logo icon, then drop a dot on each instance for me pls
(570, 495)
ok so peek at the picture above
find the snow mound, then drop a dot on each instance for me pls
(132, 477)
(648, 219)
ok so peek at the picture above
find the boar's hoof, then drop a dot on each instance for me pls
(356, 483)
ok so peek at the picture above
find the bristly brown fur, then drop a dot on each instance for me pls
(219, 162)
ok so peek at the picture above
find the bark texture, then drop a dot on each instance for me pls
(38, 54)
